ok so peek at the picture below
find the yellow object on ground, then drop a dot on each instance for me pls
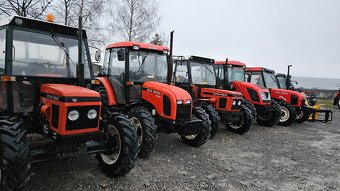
(316, 107)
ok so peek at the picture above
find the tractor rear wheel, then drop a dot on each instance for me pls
(269, 119)
(213, 117)
(302, 115)
(15, 165)
(198, 140)
(144, 122)
(122, 138)
(245, 122)
(288, 114)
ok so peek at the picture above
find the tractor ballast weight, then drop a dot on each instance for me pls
(43, 92)
(287, 98)
(134, 81)
(231, 76)
(197, 76)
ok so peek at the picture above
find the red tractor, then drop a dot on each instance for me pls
(43, 97)
(134, 80)
(337, 99)
(197, 76)
(293, 104)
(231, 76)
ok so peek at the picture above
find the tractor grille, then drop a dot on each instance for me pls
(183, 111)
(294, 100)
(222, 103)
(55, 116)
(83, 122)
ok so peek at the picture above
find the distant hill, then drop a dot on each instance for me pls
(317, 83)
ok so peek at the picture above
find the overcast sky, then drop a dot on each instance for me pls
(270, 33)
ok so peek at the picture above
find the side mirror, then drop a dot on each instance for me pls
(98, 56)
(121, 55)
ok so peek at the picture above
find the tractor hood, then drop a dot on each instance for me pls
(162, 88)
(208, 92)
(292, 97)
(284, 91)
(64, 90)
(238, 85)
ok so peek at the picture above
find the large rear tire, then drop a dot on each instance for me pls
(104, 98)
(144, 122)
(302, 115)
(272, 118)
(245, 122)
(15, 165)
(288, 114)
(123, 138)
(201, 138)
(213, 117)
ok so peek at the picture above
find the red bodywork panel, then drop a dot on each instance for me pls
(154, 92)
(215, 95)
(64, 96)
(243, 88)
(140, 44)
(286, 95)
(231, 62)
(254, 69)
(108, 88)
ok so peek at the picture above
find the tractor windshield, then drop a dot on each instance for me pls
(282, 82)
(49, 55)
(2, 50)
(235, 74)
(270, 80)
(148, 66)
(202, 73)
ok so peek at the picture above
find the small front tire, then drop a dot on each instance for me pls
(245, 122)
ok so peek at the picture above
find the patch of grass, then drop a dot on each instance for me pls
(325, 103)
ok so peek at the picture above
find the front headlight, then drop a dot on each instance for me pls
(73, 115)
(179, 102)
(188, 101)
(234, 102)
(239, 103)
(264, 96)
(92, 114)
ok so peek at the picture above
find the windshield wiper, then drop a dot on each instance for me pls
(208, 68)
(62, 46)
(143, 61)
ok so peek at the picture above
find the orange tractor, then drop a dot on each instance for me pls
(337, 99)
(293, 103)
(44, 97)
(134, 80)
(231, 76)
(197, 76)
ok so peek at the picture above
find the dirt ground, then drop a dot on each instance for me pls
(300, 157)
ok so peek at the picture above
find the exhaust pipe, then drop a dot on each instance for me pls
(170, 57)
(80, 67)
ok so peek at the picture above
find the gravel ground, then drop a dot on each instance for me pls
(300, 157)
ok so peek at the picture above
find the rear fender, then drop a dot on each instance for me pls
(163, 98)
(222, 99)
(109, 90)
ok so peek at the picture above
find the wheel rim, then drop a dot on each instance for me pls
(284, 114)
(300, 115)
(339, 103)
(191, 137)
(112, 158)
(138, 125)
(238, 124)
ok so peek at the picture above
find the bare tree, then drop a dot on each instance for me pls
(136, 20)
(27, 8)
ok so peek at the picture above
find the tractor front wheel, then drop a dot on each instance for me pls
(269, 119)
(251, 107)
(302, 115)
(122, 138)
(15, 165)
(144, 122)
(288, 114)
(201, 138)
(213, 117)
(244, 123)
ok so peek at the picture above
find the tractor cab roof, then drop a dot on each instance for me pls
(231, 62)
(281, 75)
(194, 58)
(35, 24)
(258, 69)
(138, 45)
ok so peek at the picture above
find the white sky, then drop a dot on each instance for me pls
(269, 33)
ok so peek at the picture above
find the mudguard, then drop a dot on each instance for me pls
(164, 99)
(109, 90)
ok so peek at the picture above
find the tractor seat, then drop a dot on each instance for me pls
(118, 89)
